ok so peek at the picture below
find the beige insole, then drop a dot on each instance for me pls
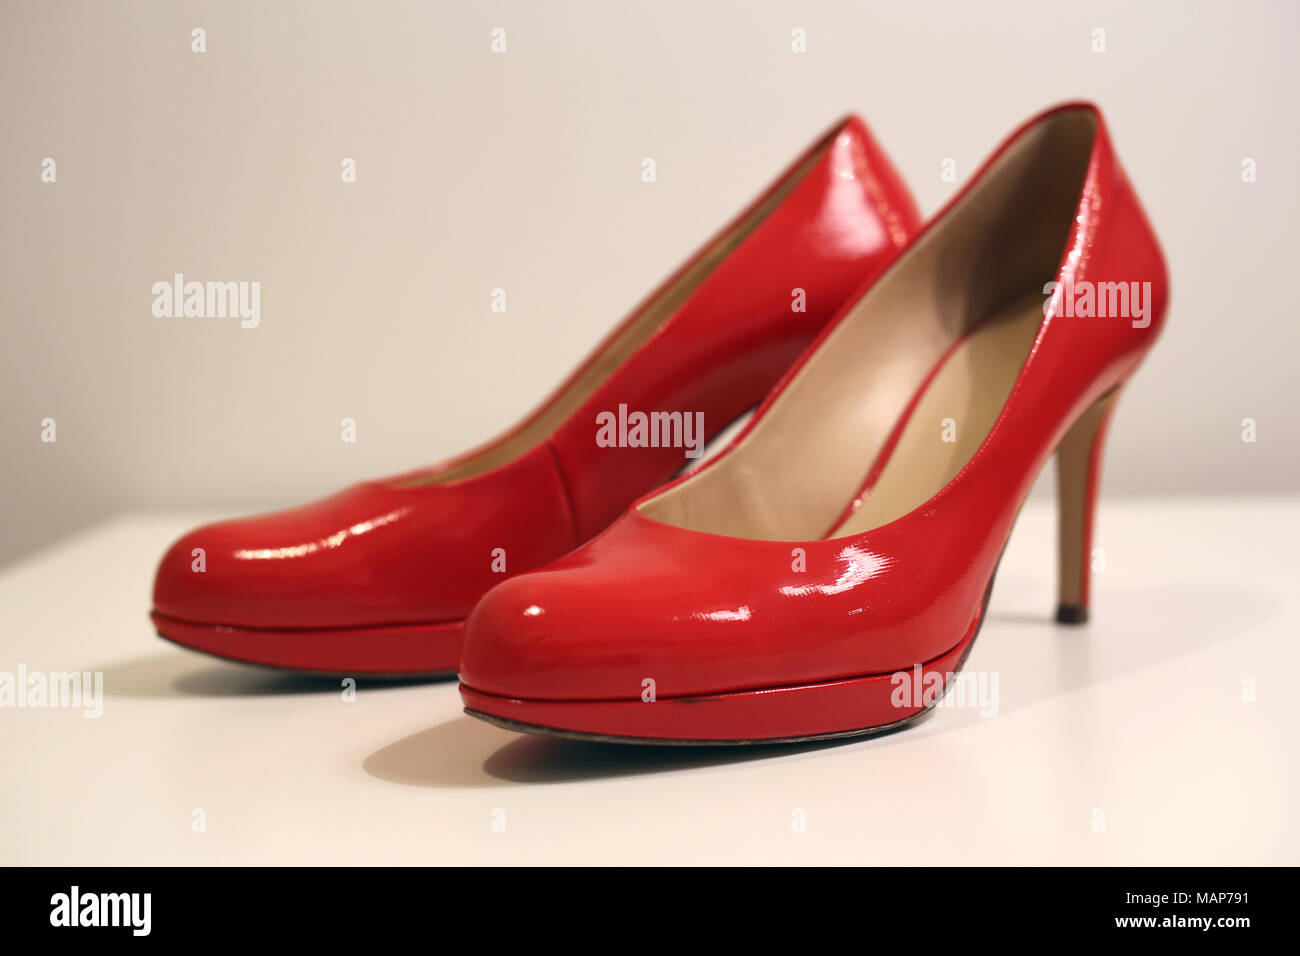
(952, 418)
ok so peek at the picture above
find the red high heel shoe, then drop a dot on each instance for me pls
(843, 547)
(378, 578)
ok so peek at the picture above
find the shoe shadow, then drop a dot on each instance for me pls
(182, 674)
(450, 754)
(1036, 660)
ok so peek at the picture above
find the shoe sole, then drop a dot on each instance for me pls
(828, 710)
(395, 650)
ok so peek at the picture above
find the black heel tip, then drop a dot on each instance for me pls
(1071, 614)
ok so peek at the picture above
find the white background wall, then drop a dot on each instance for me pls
(521, 171)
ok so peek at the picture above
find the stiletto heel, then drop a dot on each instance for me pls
(1078, 475)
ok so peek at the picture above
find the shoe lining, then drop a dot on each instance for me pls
(944, 333)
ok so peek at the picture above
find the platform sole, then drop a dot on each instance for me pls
(396, 650)
(850, 707)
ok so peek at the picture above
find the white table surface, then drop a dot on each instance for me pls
(1138, 719)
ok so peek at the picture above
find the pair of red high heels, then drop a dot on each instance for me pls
(923, 376)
